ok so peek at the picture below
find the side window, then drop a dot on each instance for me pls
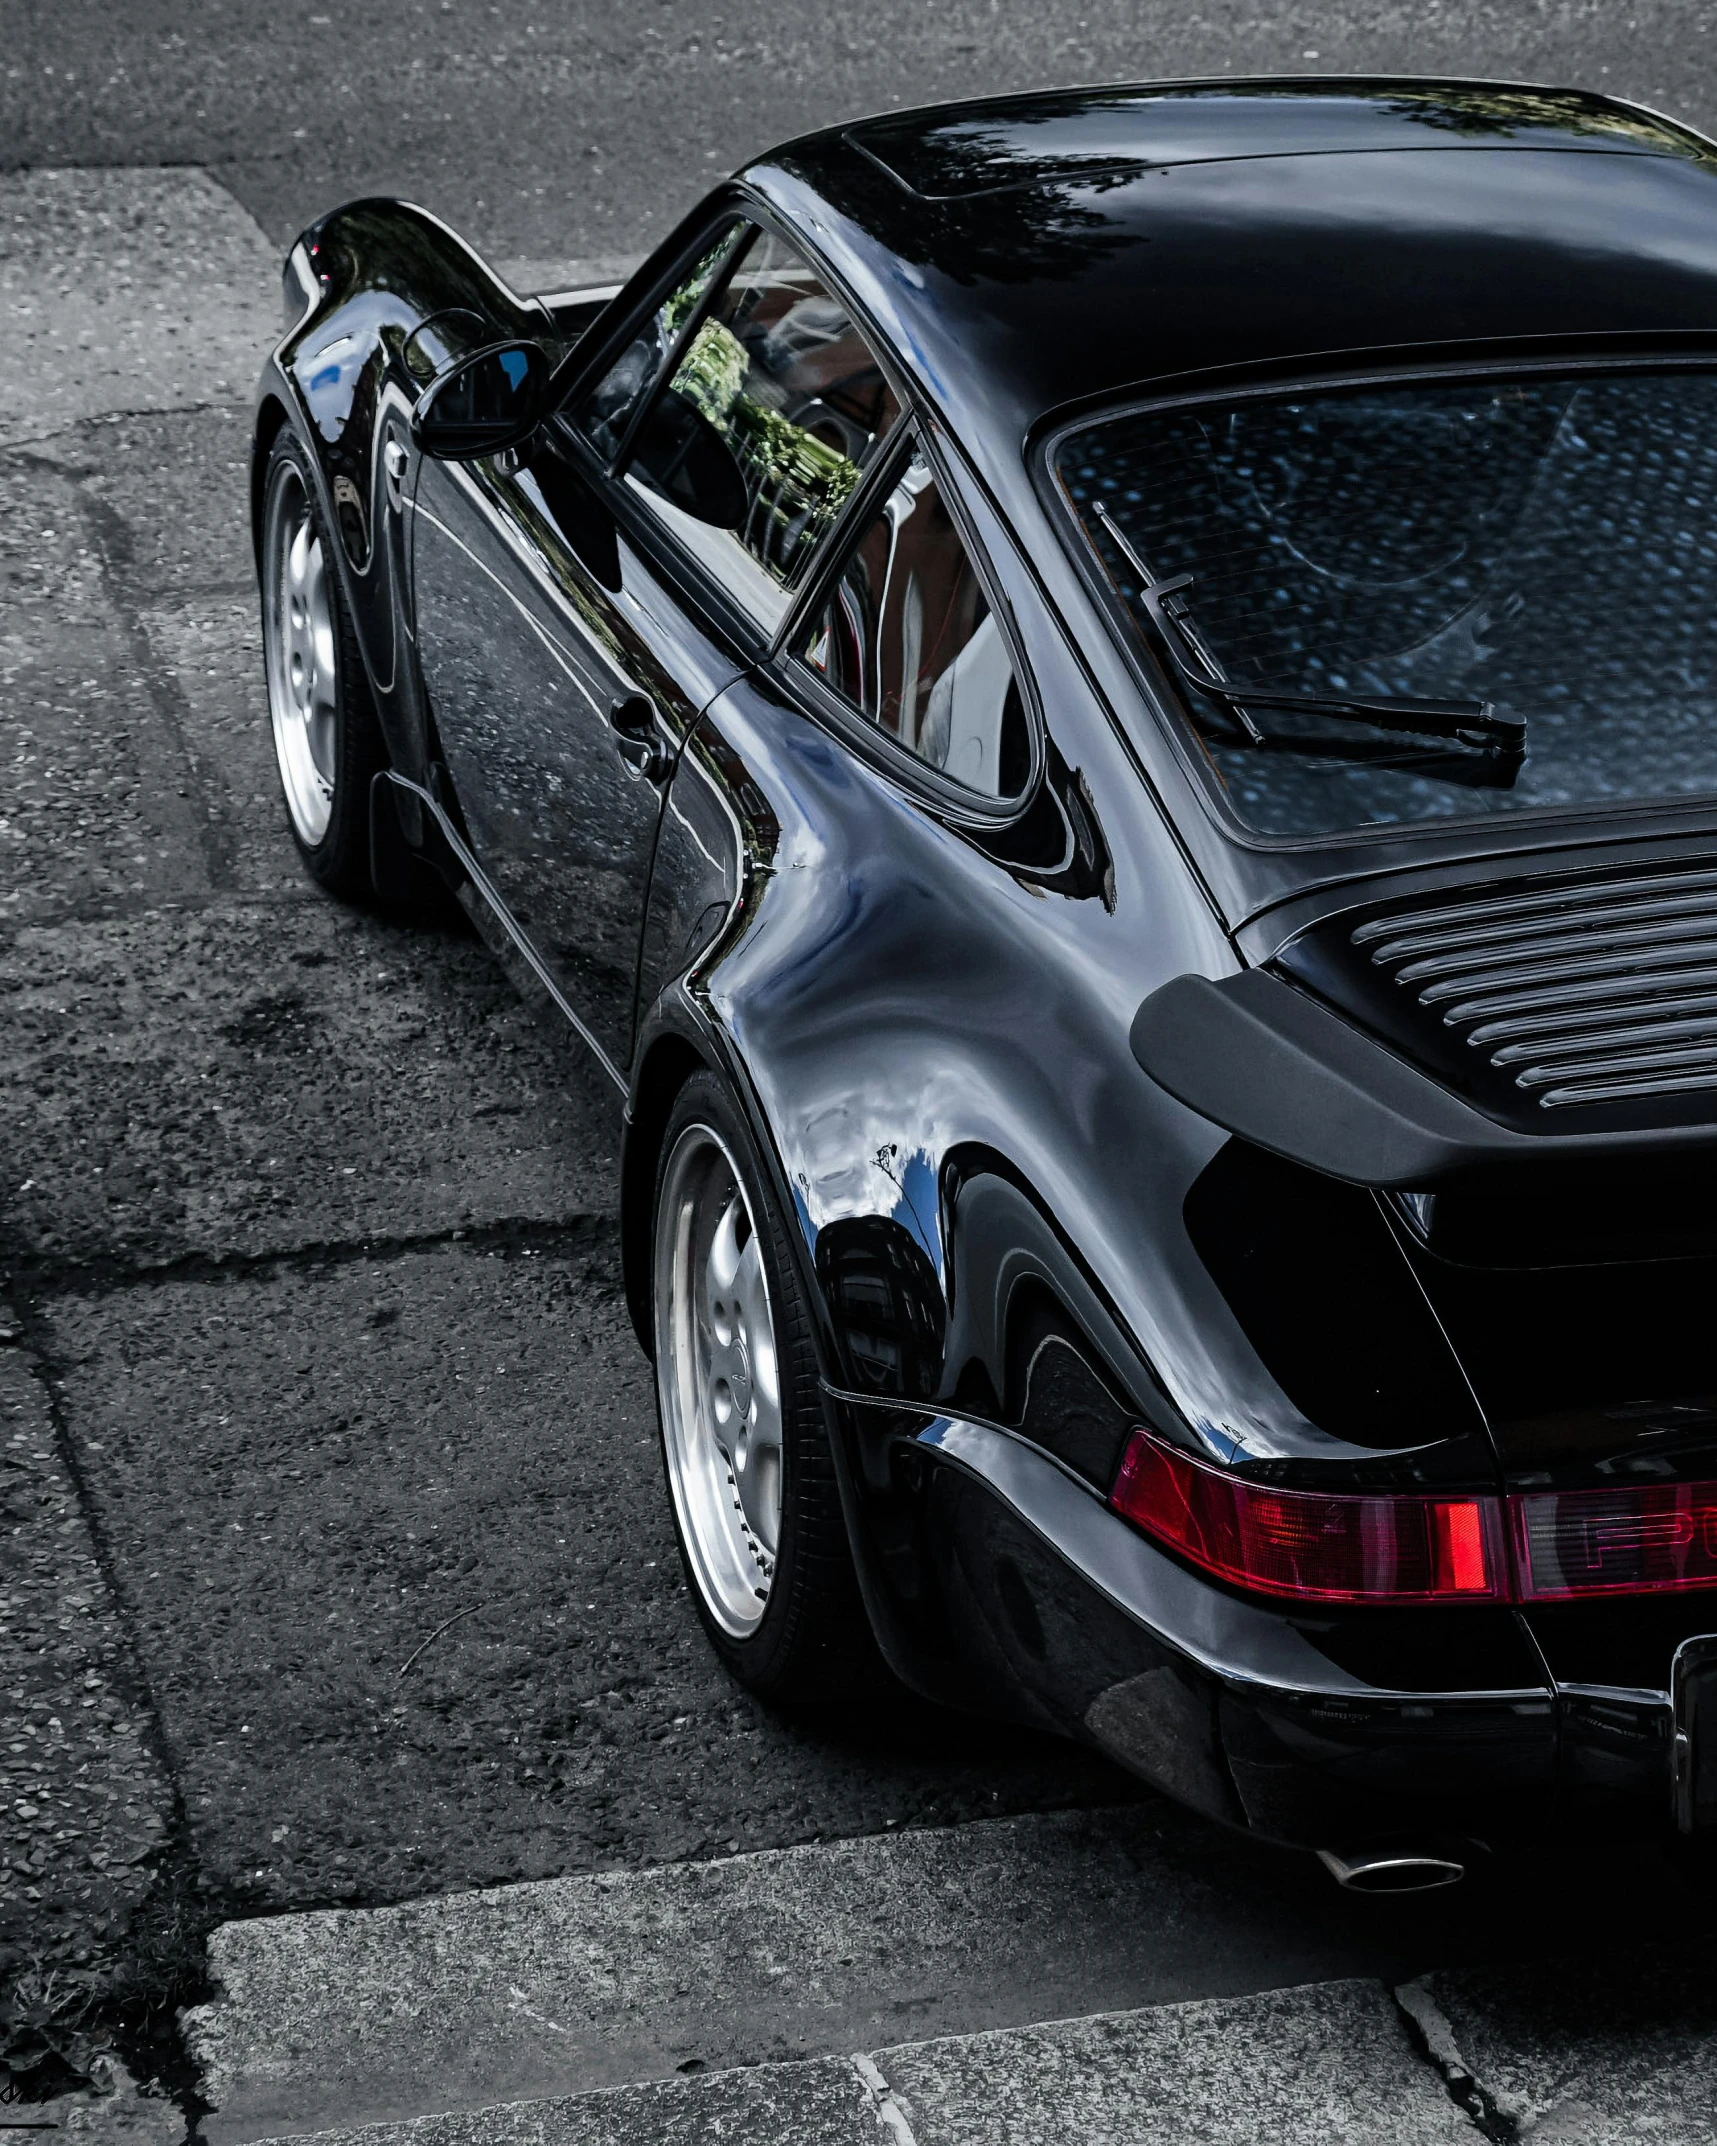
(607, 410)
(909, 639)
(757, 441)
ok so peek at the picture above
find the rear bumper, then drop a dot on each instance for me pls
(1309, 1729)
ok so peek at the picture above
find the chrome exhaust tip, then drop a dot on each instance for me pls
(1391, 1869)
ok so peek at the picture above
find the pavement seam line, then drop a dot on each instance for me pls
(111, 417)
(893, 2111)
(209, 802)
(592, 1232)
(1495, 2115)
(175, 1869)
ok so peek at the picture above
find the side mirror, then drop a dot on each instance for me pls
(484, 403)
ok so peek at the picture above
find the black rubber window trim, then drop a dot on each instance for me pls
(953, 799)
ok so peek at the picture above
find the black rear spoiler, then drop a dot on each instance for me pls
(1255, 1055)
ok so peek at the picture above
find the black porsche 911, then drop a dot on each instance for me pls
(1102, 710)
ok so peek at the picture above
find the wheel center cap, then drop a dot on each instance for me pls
(739, 1381)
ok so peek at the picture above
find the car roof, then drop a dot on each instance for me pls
(1029, 253)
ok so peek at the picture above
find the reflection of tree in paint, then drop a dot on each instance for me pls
(1475, 110)
(1012, 195)
(991, 228)
(796, 482)
(888, 1303)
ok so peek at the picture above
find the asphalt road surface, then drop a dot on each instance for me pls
(576, 131)
(334, 1562)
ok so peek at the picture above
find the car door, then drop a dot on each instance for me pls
(652, 543)
(538, 622)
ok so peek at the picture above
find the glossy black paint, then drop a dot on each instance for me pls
(535, 616)
(1019, 1245)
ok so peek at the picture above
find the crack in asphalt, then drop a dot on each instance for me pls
(892, 2110)
(1432, 2035)
(164, 1958)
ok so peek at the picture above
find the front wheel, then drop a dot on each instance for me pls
(745, 1433)
(327, 741)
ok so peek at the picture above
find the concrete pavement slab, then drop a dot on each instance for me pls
(1620, 2051)
(1326, 2065)
(1329, 2065)
(243, 1079)
(101, 309)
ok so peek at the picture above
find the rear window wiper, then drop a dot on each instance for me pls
(1469, 722)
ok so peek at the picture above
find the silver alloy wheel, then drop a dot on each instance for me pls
(298, 632)
(718, 1379)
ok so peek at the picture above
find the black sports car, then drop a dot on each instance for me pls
(1102, 709)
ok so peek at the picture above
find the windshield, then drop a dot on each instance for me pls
(1540, 553)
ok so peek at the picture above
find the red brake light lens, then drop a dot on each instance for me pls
(1308, 1546)
(1643, 1540)
(1567, 1544)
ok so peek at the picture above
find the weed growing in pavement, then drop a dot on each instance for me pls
(46, 2048)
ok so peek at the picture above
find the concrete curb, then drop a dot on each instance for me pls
(1297, 2067)
(573, 1984)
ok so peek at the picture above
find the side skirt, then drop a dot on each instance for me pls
(460, 867)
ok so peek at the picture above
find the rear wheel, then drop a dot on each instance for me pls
(327, 741)
(745, 1434)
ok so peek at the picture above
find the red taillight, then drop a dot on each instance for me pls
(1642, 1540)
(1311, 1547)
(1639, 1541)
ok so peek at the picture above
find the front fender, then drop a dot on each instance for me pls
(387, 293)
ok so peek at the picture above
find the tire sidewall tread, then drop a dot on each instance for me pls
(814, 1635)
(340, 862)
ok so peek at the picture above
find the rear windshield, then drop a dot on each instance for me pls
(1449, 599)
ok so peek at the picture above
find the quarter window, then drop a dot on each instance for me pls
(909, 640)
(768, 422)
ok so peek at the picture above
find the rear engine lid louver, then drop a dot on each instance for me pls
(1601, 991)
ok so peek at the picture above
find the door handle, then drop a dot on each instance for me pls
(632, 717)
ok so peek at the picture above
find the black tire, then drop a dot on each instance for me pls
(337, 854)
(813, 1642)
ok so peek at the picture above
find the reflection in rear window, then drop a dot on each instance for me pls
(1542, 550)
